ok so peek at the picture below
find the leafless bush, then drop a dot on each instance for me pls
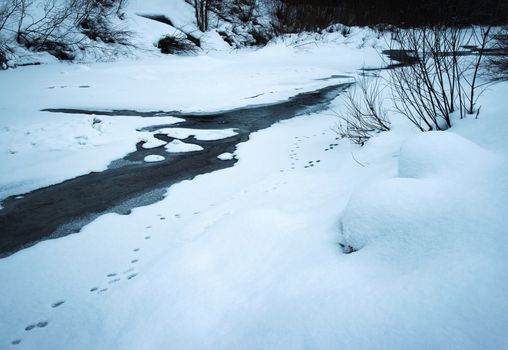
(443, 75)
(63, 27)
(202, 13)
(363, 115)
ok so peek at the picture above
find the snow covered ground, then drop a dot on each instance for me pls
(248, 257)
(253, 260)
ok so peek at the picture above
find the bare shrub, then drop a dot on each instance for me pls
(63, 27)
(498, 64)
(443, 74)
(363, 115)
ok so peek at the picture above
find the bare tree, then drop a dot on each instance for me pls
(201, 12)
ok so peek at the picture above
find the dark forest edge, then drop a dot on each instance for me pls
(97, 28)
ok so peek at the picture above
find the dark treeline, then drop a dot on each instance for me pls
(312, 14)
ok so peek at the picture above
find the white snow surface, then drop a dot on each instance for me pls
(152, 158)
(152, 142)
(226, 156)
(252, 261)
(248, 257)
(202, 135)
(177, 146)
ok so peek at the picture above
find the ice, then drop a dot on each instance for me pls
(226, 156)
(203, 135)
(153, 142)
(177, 146)
(152, 158)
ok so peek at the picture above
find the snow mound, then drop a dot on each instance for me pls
(152, 158)
(226, 156)
(425, 207)
(177, 146)
(437, 152)
(153, 143)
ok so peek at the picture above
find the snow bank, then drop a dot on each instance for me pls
(430, 201)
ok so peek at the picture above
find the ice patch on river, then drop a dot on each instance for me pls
(153, 158)
(153, 142)
(199, 134)
(177, 146)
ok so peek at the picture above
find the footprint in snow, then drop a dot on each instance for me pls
(41, 324)
(57, 304)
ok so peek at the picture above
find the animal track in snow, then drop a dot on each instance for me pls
(41, 324)
(57, 304)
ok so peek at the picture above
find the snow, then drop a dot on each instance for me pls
(248, 257)
(47, 149)
(177, 146)
(226, 156)
(153, 158)
(252, 261)
(153, 142)
(38, 149)
(202, 135)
